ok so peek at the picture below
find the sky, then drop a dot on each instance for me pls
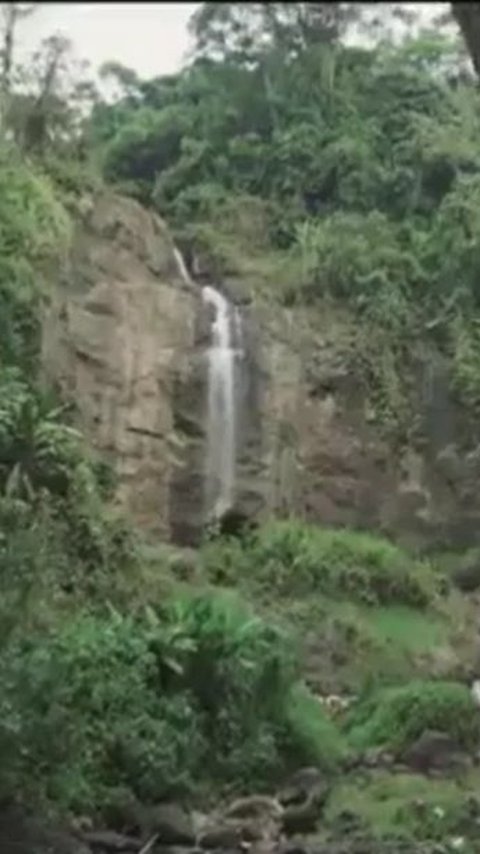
(151, 38)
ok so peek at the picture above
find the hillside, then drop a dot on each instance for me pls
(314, 641)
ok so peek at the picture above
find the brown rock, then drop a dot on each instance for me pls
(119, 339)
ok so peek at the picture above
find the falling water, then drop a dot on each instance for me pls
(225, 346)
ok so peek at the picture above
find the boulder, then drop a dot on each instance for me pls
(23, 834)
(223, 835)
(109, 841)
(467, 575)
(303, 800)
(434, 750)
(301, 785)
(172, 824)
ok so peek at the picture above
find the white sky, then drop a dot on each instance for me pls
(151, 38)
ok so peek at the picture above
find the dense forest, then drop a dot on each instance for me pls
(338, 145)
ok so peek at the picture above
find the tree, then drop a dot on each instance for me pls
(467, 16)
(10, 15)
(244, 31)
(53, 97)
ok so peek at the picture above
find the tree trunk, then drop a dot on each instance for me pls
(467, 16)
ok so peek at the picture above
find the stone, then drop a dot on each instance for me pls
(467, 575)
(301, 785)
(23, 834)
(434, 751)
(222, 835)
(171, 822)
(255, 806)
(110, 841)
(303, 799)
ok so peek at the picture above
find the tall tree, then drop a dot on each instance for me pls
(53, 98)
(467, 16)
(243, 31)
(10, 15)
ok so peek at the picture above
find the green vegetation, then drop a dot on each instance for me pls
(395, 717)
(366, 612)
(335, 179)
(317, 170)
(292, 559)
(410, 807)
(180, 695)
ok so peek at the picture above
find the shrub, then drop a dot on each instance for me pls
(194, 692)
(88, 714)
(296, 560)
(309, 733)
(33, 224)
(396, 717)
(35, 233)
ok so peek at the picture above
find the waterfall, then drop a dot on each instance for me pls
(225, 347)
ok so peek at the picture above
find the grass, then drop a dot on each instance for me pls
(364, 610)
(407, 629)
(409, 805)
(347, 646)
(395, 717)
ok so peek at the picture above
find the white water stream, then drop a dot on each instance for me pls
(225, 346)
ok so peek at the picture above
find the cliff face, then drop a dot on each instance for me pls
(120, 336)
(125, 337)
(327, 459)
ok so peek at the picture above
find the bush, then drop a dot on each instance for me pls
(294, 559)
(191, 693)
(88, 715)
(396, 717)
(33, 224)
(309, 733)
(34, 232)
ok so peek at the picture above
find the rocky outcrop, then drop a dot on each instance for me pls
(125, 338)
(322, 454)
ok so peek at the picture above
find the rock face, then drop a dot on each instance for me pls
(316, 451)
(122, 339)
(125, 338)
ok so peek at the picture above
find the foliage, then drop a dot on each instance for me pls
(364, 161)
(288, 155)
(34, 234)
(410, 806)
(32, 221)
(309, 733)
(294, 559)
(395, 717)
(193, 691)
